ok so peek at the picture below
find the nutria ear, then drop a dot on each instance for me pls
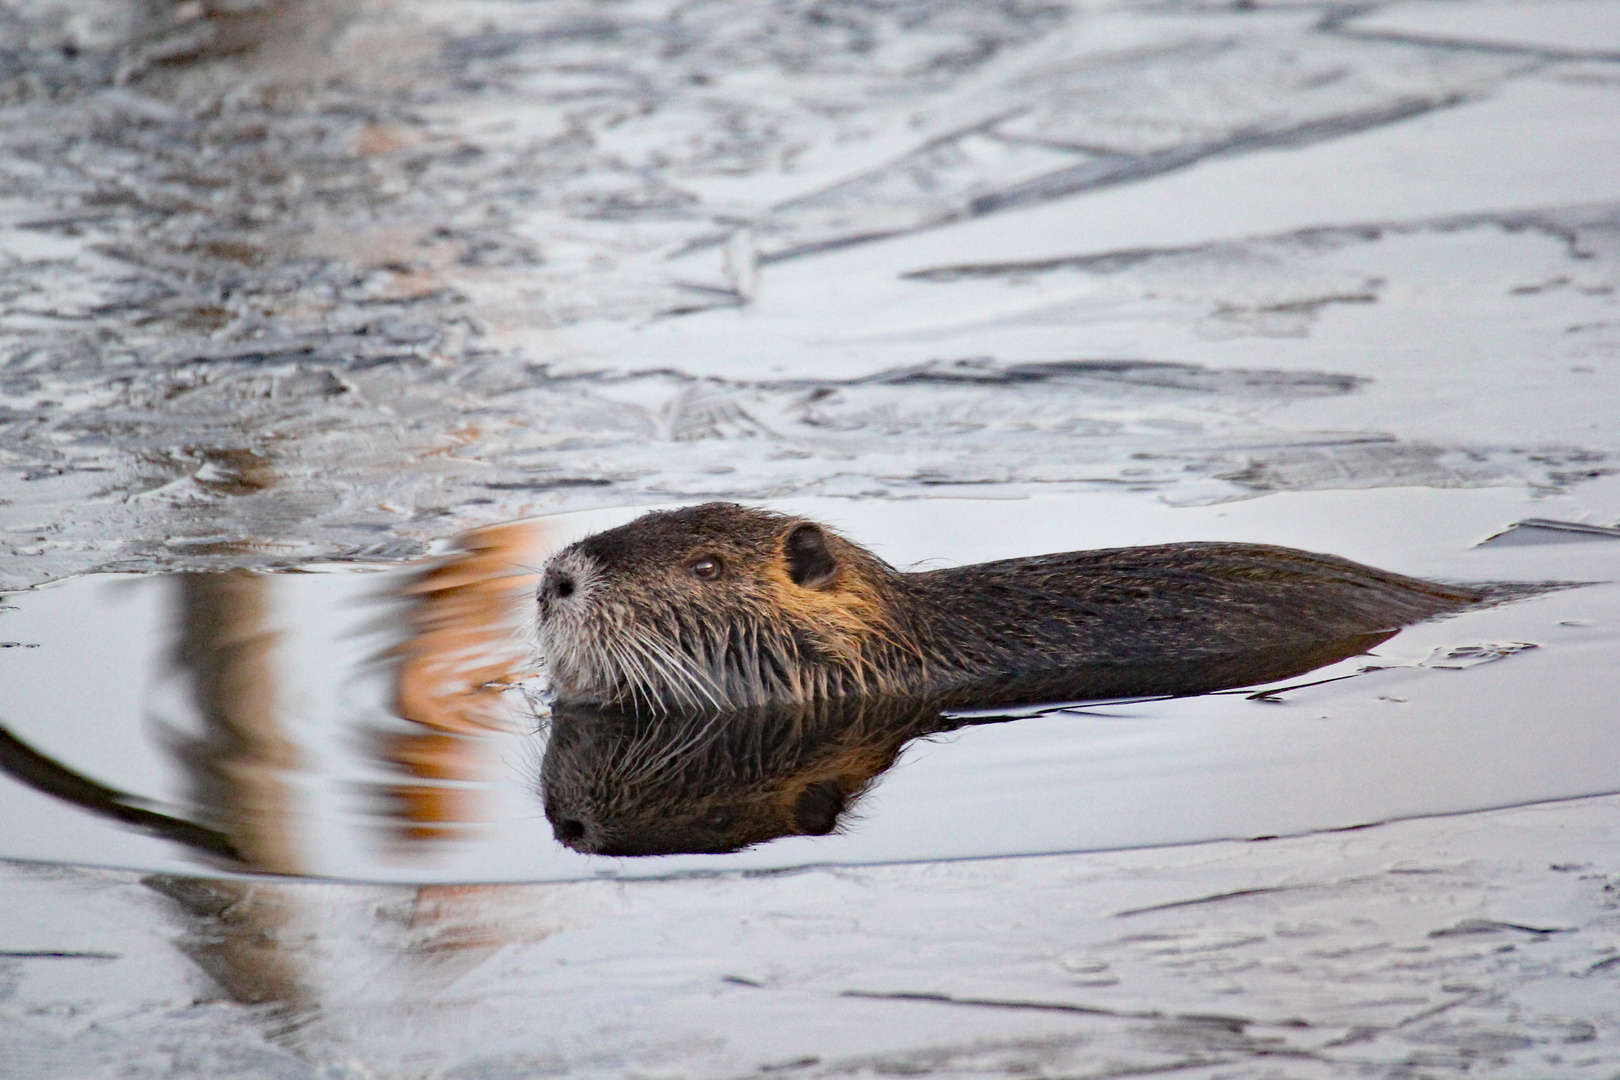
(809, 563)
(817, 808)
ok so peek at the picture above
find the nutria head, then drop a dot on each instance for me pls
(715, 607)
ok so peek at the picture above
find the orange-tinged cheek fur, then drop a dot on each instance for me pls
(845, 620)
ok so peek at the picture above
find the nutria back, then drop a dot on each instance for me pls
(721, 606)
(1163, 619)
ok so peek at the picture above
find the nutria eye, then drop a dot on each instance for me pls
(706, 568)
(564, 587)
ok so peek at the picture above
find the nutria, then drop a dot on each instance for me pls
(721, 606)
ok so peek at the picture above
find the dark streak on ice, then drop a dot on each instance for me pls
(1214, 898)
(1492, 926)
(1566, 224)
(1041, 1006)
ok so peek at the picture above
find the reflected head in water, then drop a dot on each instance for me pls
(627, 783)
(724, 607)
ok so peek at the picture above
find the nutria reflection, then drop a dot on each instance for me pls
(721, 606)
(628, 782)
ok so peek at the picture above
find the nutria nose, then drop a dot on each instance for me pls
(568, 829)
(562, 586)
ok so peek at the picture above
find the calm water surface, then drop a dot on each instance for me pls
(389, 724)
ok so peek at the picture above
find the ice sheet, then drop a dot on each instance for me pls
(1569, 27)
(284, 282)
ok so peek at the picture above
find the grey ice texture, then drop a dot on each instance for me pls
(284, 280)
(287, 280)
(1448, 947)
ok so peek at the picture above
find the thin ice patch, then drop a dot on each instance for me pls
(1460, 657)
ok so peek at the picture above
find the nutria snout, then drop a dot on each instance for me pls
(721, 606)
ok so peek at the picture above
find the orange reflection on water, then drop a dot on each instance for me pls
(469, 644)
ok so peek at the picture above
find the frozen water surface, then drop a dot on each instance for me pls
(1574, 29)
(300, 292)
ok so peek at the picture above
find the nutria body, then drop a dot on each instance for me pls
(719, 607)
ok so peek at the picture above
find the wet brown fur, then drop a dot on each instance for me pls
(798, 613)
(625, 783)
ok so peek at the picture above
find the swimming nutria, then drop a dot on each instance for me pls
(721, 606)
